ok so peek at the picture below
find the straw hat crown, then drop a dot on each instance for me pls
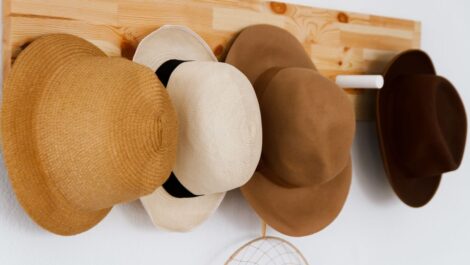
(83, 132)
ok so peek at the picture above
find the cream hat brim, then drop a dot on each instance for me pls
(180, 214)
(172, 42)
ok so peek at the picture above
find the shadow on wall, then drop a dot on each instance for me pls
(235, 213)
(10, 210)
(368, 169)
(136, 215)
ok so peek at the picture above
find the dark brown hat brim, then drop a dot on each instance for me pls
(298, 211)
(415, 191)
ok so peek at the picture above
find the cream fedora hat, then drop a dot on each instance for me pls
(220, 133)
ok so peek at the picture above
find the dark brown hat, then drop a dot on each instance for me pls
(422, 127)
(304, 174)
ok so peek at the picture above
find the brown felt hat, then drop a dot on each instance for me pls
(304, 174)
(83, 132)
(422, 127)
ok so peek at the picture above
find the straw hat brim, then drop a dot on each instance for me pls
(36, 193)
(180, 214)
(172, 42)
(298, 211)
(415, 191)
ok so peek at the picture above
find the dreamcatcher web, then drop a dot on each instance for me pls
(267, 251)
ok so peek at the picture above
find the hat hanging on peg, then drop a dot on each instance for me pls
(360, 81)
(414, 98)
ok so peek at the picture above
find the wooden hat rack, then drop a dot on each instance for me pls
(339, 43)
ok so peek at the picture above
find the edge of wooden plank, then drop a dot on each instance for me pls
(362, 99)
(6, 53)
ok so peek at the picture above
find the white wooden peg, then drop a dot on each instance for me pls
(360, 81)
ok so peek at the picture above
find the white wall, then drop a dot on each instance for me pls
(374, 227)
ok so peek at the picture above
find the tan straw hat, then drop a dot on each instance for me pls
(304, 174)
(83, 132)
(220, 127)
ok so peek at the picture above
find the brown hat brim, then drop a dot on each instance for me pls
(415, 191)
(262, 47)
(36, 193)
(298, 211)
(264, 50)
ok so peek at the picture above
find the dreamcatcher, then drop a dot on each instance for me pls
(267, 250)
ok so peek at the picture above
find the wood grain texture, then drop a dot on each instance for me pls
(338, 42)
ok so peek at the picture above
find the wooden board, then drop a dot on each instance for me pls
(338, 42)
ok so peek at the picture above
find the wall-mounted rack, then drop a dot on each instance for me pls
(338, 42)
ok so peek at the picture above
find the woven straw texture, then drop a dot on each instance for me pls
(83, 132)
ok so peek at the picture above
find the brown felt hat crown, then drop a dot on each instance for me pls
(422, 127)
(83, 132)
(304, 174)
